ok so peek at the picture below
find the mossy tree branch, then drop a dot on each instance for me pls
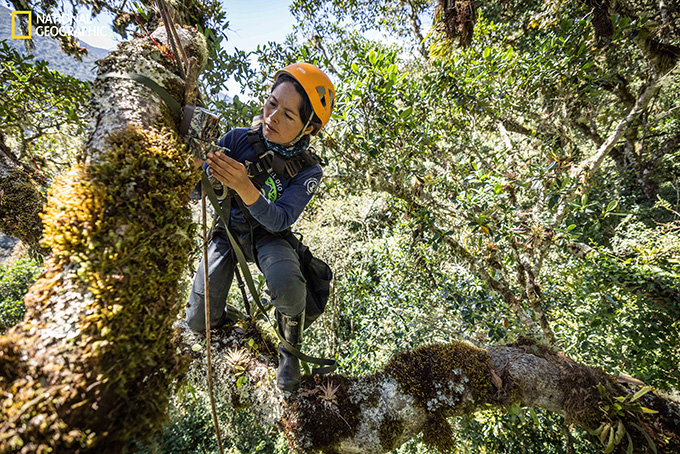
(91, 366)
(417, 390)
(20, 201)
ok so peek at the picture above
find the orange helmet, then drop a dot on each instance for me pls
(316, 84)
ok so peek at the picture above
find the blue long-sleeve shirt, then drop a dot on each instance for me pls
(281, 200)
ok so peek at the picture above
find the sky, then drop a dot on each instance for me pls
(251, 23)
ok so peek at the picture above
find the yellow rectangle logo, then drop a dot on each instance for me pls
(14, 19)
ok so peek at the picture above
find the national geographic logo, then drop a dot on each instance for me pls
(50, 25)
(16, 24)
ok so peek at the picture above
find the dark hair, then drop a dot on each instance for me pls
(305, 106)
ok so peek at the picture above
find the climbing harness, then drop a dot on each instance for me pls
(268, 161)
(329, 365)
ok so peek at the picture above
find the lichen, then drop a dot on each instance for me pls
(444, 377)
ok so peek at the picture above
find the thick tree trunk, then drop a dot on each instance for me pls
(418, 390)
(92, 363)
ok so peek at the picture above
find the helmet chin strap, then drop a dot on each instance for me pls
(297, 146)
(302, 133)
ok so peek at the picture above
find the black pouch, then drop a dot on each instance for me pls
(318, 276)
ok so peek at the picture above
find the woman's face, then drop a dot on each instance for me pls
(282, 121)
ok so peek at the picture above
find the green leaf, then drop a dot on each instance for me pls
(406, 113)
(564, 25)
(372, 57)
(647, 410)
(602, 390)
(650, 442)
(534, 416)
(641, 393)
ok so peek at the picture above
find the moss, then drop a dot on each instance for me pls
(438, 434)
(20, 206)
(318, 426)
(389, 432)
(11, 368)
(436, 376)
(120, 231)
(443, 380)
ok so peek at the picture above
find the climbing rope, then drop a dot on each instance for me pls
(180, 61)
(207, 318)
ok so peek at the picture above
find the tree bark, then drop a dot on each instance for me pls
(91, 366)
(417, 390)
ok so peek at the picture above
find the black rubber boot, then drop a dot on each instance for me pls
(288, 373)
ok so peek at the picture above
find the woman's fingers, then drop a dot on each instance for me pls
(226, 169)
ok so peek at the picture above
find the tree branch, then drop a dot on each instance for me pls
(585, 172)
(21, 202)
(416, 391)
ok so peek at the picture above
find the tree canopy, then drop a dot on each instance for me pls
(501, 203)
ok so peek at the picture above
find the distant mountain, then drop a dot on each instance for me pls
(7, 244)
(49, 49)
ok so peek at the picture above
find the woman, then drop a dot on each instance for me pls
(299, 105)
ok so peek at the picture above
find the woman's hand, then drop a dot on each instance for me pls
(234, 175)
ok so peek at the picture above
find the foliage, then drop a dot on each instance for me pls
(43, 110)
(372, 259)
(16, 276)
(458, 183)
(329, 18)
(518, 430)
(627, 319)
(191, 431)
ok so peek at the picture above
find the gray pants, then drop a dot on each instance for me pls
(275, 257)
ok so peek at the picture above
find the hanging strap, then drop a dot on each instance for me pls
(170, 101)
(329, 365)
